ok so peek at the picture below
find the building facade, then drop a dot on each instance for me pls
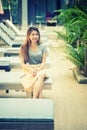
(25, 12)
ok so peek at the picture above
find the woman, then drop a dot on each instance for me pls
(33, 58)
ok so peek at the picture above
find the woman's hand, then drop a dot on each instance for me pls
(34, 69)
(34, 72)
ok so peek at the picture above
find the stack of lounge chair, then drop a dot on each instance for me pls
(10, 80)
(10, 60)
(17, 33)
(20, 113)
(13, 28)
(9, 37)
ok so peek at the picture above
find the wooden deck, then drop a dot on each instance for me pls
(70, 97)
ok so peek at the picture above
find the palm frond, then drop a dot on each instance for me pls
(75, 55)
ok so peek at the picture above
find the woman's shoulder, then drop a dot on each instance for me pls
(43, 45)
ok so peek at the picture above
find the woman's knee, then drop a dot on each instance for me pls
(41, 76)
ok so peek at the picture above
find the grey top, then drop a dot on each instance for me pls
(36, 57)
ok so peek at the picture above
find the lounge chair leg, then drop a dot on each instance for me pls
(7, 91)
(29, 95)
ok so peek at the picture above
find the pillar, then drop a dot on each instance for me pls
(24, 14)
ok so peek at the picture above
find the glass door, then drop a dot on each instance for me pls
(40, 11)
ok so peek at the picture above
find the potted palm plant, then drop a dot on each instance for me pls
(74, 21)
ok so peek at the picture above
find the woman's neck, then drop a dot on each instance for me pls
(33, 44)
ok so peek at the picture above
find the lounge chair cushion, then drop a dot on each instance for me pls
(5, 65)
(12, 51)
(11, 80)
(29, 114)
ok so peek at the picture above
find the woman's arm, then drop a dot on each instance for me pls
(42, 65)
(26, 67)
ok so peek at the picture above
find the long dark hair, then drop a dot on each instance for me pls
(25, 46)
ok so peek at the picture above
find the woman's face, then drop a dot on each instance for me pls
(34, 36)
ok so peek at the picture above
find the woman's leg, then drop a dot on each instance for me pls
(38, 86)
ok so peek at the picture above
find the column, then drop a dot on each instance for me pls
(24, 14)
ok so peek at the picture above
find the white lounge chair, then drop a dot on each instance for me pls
(13, 28)
(18, 33)
(14, 51)
(26, 114)
(7, 40)
(10, 33)
(14, 62)
(11, 81)
(5, 65)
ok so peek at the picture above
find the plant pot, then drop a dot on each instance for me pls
(85, 70)
(51, 23)
(85, 65)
